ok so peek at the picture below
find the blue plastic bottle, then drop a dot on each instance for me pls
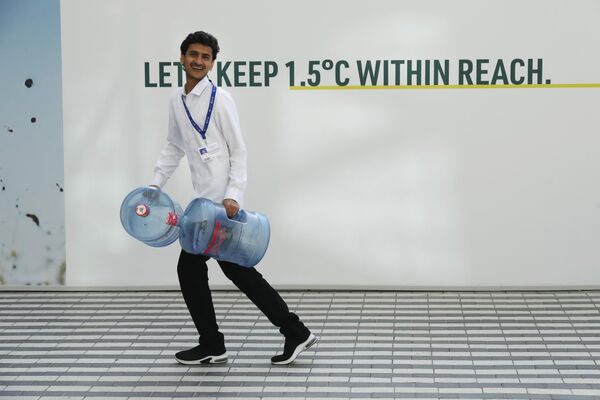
(143, 215)
(149, 215)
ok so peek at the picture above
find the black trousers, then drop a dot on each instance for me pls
(193, 279)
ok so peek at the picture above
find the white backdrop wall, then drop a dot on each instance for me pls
(447, 187)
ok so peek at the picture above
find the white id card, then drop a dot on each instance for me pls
(208, 151)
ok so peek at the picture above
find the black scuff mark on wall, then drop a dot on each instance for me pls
(62, 272)
(34, 218)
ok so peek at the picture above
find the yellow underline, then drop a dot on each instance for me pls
(435, 87)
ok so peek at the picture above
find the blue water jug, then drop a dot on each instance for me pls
(149, 215)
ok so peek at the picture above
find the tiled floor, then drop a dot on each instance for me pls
(423, 345)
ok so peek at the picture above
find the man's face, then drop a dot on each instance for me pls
(197, 61)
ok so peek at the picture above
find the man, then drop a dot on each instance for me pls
(204, 126)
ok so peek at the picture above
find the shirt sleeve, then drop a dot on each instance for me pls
(171, 154)
(229, 123)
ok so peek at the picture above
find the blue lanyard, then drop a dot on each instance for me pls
(201, 131)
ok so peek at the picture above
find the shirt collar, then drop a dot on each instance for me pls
(199, 88)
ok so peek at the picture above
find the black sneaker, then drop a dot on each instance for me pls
(292, 348)
(200, 355)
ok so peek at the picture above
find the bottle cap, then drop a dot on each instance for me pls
(172, 219)
(142, 210)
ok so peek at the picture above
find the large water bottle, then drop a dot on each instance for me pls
(144, 213)
(149, 215)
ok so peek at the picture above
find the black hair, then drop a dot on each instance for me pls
(202, 38)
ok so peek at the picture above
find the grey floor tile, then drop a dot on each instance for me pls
(471, 345)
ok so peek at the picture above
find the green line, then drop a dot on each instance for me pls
(435, 87)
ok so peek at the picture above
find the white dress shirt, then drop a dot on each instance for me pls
(222, 177)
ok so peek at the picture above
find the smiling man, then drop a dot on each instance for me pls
(204, 126)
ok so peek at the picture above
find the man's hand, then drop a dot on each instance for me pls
(231, 207)
(151, 193)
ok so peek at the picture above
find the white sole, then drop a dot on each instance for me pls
(206, 360)
(312, 339)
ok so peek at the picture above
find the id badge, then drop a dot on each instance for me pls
(208, 151)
